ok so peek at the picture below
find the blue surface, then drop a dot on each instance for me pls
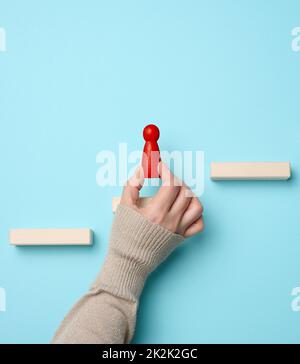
(218, 76)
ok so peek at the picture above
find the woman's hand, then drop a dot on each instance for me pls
(174, 206)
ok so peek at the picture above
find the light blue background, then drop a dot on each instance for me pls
(79, 77)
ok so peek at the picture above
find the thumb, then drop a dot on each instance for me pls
(131, 190)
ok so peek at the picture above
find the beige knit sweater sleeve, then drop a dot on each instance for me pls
(107, 313)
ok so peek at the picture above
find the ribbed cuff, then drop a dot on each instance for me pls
(136, 247)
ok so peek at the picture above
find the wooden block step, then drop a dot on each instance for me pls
(51, 236)
(250, 170)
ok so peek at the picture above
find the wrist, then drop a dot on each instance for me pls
(137, 246)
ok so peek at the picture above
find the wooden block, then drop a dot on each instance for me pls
(143, 201)
(250, 171)
(51, 236)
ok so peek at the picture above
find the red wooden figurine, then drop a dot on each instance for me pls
(151, 154)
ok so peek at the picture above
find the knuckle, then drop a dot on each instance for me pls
(201, 226)
(198, 208)
(173, 224)
(188, 192)
(154, 216)
(174, 217)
